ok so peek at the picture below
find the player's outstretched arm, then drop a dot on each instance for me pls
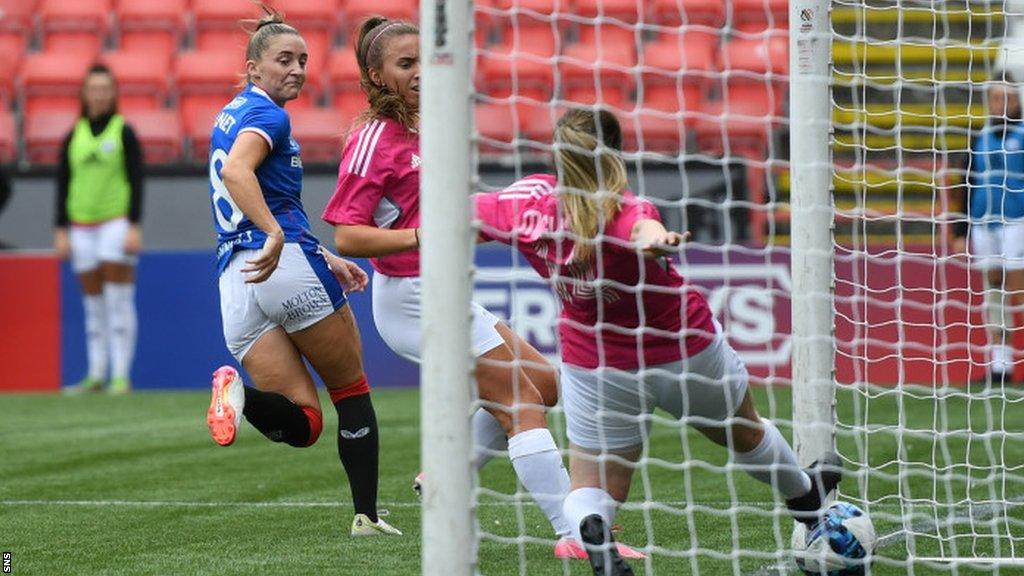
(364, 241)
(654, 240)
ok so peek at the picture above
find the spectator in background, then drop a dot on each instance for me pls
(5, 196)
(99, 204)
(993, 233)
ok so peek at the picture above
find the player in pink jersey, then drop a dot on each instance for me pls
(375, 210)
(634, 336)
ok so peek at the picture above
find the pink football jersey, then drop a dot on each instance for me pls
(379, 185)
(621, 310)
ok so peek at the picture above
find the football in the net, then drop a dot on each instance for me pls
(841, 544)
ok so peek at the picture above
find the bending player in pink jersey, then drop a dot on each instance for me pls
(375, 210)
(634, 336)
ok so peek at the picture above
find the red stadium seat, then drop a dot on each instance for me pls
(74, 25)
(304, 14)
(526, 56)
(207, 80)
(586, 68)
(53, 80)
(15, 31)
(160, 133)
(710, 13)
(355, 11)
(152, 27)
(530, 24)
(498, 125)
(678, 72)
(45, 133)
(316, 69)
(218, 23)
(651, 130)
(351, 105)
(607, 34)
(754, 98)
(142, 78)
(8, 138)
(320, 133)
(760, 14)
(198, 125)
(624, 10)
(343, 71)
(318, 22)
(757, 69)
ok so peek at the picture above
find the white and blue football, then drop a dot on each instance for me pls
(840, 545)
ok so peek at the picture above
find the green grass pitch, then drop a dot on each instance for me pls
(134, 485)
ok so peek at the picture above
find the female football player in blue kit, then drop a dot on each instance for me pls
(281, 292)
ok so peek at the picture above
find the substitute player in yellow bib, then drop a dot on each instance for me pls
(99, 204)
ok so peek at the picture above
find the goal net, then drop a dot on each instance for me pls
(824, 230)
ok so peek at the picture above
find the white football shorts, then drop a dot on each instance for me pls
(396, 312)
(607, 409)
(997, 248)
(301, 292)
(92, 244)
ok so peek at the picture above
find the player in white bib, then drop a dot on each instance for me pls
(281, 302)
(375, 210)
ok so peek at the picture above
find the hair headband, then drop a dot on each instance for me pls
(382, 30)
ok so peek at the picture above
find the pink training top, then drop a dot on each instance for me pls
(379, 185)
(631, 312)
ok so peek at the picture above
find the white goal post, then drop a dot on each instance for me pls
(446, 372)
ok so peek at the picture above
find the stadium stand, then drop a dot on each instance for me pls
(217, 24)
(753, 101)
(320, 132)
(143, 78)
(15, 31)
(677, 73)
(51, 80)
(44, 134)
(160, 133)
(74, 25)
(599, 73)
(206, 79)
(354, 11)
(154, 28)
(710, 13)
(184, 58)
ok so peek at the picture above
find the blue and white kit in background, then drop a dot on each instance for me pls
(996, 200)
(302, 290)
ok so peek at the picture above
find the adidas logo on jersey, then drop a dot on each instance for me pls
(415, 162)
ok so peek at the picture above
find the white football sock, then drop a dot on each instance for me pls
(96, 336)
(488, 438)
(122, 322)
(540, 468)
(773, 451)
(583, 502)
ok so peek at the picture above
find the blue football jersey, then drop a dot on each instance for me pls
(280, 175)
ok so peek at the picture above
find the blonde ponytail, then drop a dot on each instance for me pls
(591, 175)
